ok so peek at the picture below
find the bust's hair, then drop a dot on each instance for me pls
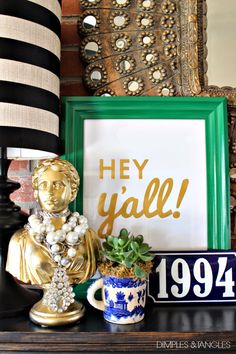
(61, 166)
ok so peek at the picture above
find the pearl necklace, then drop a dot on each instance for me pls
(62, 245)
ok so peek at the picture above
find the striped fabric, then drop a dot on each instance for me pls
(29, 77)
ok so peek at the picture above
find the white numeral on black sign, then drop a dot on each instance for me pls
(202, 274)
(161, 269)
(181, 275)
(228, 282)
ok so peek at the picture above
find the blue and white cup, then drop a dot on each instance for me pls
(123, 301)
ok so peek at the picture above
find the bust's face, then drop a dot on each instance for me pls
(54, 191)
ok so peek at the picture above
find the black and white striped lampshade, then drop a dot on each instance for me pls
(29, 77)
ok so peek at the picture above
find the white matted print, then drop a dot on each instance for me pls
(148, 176)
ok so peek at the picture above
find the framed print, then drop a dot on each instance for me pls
(156, 166)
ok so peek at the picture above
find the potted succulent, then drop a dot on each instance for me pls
(126, 261)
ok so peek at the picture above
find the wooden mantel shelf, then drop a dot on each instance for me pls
(177, 328)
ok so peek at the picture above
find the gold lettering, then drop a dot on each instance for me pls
(133, 202)
(103, 168)
(163, 196)
(124, 168)
(150, 195)
(140, 167)
(182, 192)
(155, 191)
(107, 225)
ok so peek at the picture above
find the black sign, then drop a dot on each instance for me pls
(193, 277)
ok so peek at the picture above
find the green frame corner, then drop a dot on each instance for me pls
(212, 110)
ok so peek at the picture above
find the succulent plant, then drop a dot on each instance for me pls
(127, 250)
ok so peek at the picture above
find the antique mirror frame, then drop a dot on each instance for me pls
(177, 33)
(172, 43)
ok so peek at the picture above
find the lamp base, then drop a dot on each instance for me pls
(14, 298)
(41, 315)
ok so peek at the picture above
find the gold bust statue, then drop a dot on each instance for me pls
(56, 249)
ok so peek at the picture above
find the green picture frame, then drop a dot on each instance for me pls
(213, 111)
